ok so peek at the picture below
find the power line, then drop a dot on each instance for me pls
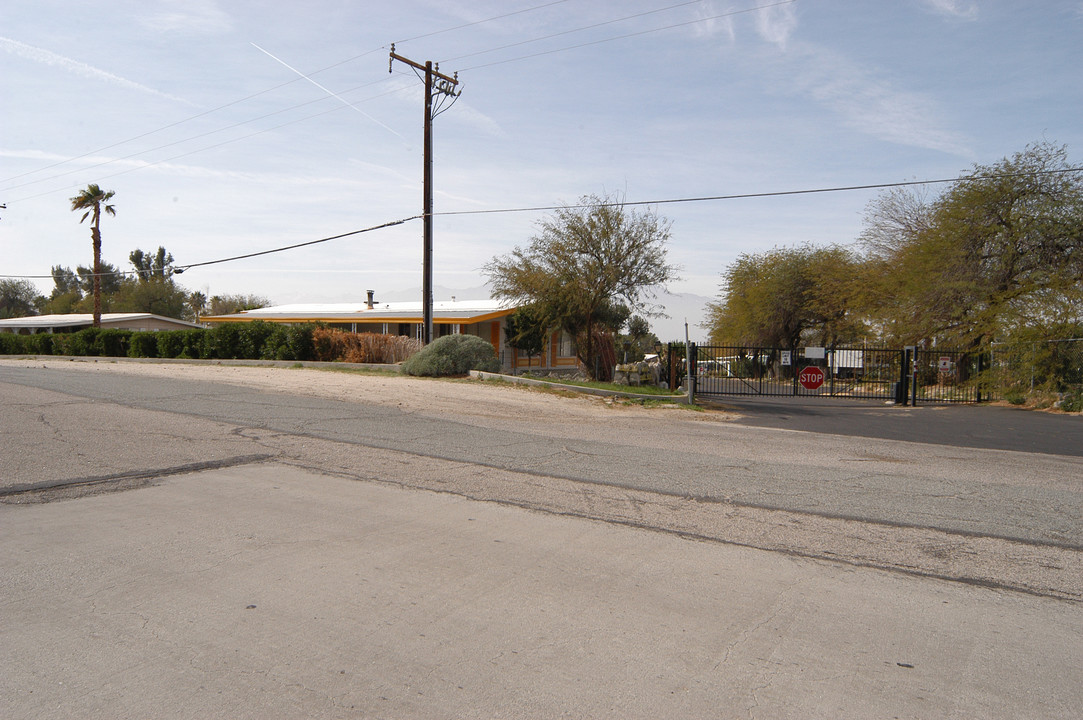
(178, 268)
(779, 193)
(208, 147)
(479, 22)
(623, 37)
(351, 59)
(196, 137)
(180, 122)
(264, 92)
(575, 30)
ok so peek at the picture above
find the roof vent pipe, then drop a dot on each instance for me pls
(370, 302)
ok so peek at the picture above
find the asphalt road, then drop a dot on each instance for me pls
(996, 427)
(1016, 496)
(198, 549)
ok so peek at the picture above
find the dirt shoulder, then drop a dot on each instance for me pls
(481, 398)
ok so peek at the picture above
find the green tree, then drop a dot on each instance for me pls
(161, 297)
(18, 298)
(229, 304)
(779, 297)
(998, 250)
(153, 289)
(93, 200)
(65, 293)
(109, 279)
(639, 337)
(197, 303)
(584, 265)
(527, 331)
(152, 267)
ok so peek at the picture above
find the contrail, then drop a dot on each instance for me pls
(329, 92)
(48, 57)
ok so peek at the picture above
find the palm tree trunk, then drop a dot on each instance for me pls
(97, 239)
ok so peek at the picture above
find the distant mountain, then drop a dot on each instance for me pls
(681, 308)
(439, 294)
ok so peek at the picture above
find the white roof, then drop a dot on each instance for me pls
(78, 319)
(361, 312)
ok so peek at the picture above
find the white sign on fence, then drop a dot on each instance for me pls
(814, 353)
(785, 358)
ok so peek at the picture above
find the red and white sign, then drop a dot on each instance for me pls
(811, 378)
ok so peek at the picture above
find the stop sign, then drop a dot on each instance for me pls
(811, 378)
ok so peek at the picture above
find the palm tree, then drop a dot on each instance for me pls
(91, 199)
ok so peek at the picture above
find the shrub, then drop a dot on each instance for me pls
(112, 342)
(331, 345)
(1015, 396)
(143, 345)
(222, 342)
(170, 343)
(194, 344)
(251, 339)
(76, 344)
(452, 355)
(1072, 401)
(10, 344)
(36, 344)
(289, 342)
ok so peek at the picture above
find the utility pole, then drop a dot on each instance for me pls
(446, 86)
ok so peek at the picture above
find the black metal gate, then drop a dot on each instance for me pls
(905, 376)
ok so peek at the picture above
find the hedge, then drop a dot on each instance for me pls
(249, 341)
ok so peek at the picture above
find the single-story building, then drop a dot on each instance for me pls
(73, 322)
(483, 318)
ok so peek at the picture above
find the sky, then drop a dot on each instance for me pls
(233, 127)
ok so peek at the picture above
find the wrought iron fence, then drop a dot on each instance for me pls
(905, 375)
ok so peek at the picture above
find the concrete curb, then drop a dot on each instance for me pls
(516, 380)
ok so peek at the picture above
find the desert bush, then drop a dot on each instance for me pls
(331, 345)
(387, 348)
(1072, 401)
(452, 355)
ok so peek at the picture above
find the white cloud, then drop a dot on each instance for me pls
(962, 9)
(869, 103)
(776, 24)
(122, 166)
(199, 16)
(47, 57)
(711, 24)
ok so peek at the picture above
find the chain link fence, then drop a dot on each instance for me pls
(1050, 369)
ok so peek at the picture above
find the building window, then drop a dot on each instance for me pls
(566, 345)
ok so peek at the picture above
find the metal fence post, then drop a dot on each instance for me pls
(977, 385)
(690, 378)
(914, 378)
(902, 390)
